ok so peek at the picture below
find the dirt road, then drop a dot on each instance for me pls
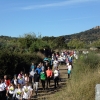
(44, 94)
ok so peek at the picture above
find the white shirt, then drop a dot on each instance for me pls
(2, 86)
(18, 93)
(26, 79)
(69, 67)
(32, 73)
(15, 81)
(27, 92)
(11, 89)
(56, 73)
(55, 63)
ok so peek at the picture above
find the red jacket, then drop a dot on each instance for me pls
(7, 83)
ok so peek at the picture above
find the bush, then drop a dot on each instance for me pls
(13, 63)
(91, 60)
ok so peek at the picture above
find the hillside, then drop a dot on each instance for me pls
(31, 43)
(88, 35)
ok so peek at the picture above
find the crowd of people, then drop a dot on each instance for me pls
(21, 87)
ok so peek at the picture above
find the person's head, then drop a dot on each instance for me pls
(21, 72)
(42, 64)
(15, 76)
(19, 85)
(26, 74)
(20, 76)
(32, 63)
(38, 66)
(5, 77)
(48, 68)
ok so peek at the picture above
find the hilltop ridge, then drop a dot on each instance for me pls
(86, 35)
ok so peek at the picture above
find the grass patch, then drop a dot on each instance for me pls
(85, 76)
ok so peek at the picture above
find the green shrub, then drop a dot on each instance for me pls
(13, 63)
(92, 60)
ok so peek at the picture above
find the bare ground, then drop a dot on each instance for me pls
(44, 94)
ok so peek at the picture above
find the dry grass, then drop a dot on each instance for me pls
(81, 86)
(79, 89)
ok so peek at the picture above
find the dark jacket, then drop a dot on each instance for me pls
(36, 77)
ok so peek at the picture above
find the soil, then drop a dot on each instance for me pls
(44, 94)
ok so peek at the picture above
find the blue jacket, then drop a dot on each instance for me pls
(39, 70)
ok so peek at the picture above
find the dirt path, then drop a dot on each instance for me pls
(44, 94)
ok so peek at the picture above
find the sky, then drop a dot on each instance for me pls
(48, 17)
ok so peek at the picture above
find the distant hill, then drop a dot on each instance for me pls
(88, 35)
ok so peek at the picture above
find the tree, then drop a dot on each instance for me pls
(96, 43)
(75, 44)
(27, 40)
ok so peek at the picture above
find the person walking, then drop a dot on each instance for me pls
(10, 91)
(43, 78)
(32, 67)
(55, 63)
(2, 90)
(31, 76)
(49, 76)
(36, 82)
(56, 77)
(69, 68)
(18, 92)
(27, 92)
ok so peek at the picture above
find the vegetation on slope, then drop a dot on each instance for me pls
(85, 76)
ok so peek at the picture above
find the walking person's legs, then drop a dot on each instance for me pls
(48, 81)
(55, 82)
(43, 84)
(36, 87)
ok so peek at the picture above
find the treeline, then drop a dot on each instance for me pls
(29, 42)
(17, 53)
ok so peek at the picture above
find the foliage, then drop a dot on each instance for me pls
(91, 59)
(26, 41)
(83, 80)
(76, 44)
(13, 63)
(96, 43)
